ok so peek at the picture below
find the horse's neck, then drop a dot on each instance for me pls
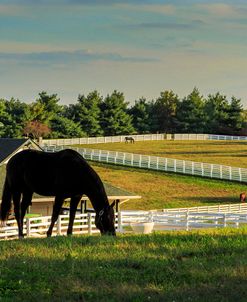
(98, 199)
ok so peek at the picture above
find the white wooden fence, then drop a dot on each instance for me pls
(191, 136)
(168, 219)
(38, 226)
(161, 163)
(222, 208)
(182, 220)
(101, 139)
(138, 137)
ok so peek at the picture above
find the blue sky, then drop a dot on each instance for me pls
(140, 48)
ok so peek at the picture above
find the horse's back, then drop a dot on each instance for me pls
(49, 173)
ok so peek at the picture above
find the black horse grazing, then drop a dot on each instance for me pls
(64, 174)
(129, 139)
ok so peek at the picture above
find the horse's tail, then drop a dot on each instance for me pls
(6, 201)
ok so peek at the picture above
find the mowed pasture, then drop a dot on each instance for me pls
(229, 153)
(168, 190)
(165, 190)
(198, 266)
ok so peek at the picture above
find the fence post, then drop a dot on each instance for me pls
(240, 175)
(165, 164)
(140, 161)
(237, 222)
(59, 227)
(187, 220)
(224, 220)
(89, 217)
(28, 227)
(120, 227)
(230, 173)
(211, 170)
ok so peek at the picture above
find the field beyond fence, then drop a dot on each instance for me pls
(161, 164)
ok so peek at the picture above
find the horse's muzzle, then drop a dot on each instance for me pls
(109, 233)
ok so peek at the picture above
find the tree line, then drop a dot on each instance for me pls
(95, 115)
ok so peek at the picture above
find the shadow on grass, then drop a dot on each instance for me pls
(185, 267)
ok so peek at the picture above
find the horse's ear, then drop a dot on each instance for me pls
(113, 204)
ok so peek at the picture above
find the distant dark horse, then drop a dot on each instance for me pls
(242, 197)
(63, 174)
(129, 139)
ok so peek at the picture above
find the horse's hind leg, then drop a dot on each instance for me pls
(26, 201)
(17, 211)
(55, 213)
(73, 206)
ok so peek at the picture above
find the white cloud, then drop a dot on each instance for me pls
(11, 10)
(220, 9)
(155, 8)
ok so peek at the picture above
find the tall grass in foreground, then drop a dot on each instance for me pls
(176, 266)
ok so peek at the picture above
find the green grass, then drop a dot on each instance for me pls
(176, 266)
(229, 153)
(168, 190)
(165, 190)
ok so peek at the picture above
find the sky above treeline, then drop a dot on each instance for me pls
(140, 48)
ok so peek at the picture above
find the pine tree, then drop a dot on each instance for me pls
(164, 112)
(140, 114)
(86, 112)
(114, 117)
(190, 113)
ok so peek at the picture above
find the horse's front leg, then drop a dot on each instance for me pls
(73, 207)
(55, 213)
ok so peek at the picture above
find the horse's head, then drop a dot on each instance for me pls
(105, 220)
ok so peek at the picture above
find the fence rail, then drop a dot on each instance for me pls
(161, 163)
(169, 219)
(101, 139)
(182, 220)
(191, 136)
(138, 137)
(38, 226)
(223, 208)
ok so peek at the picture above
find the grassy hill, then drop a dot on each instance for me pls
(176, 266)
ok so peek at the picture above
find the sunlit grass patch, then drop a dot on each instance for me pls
(169, 266)
(229, 153)
(164, 190)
